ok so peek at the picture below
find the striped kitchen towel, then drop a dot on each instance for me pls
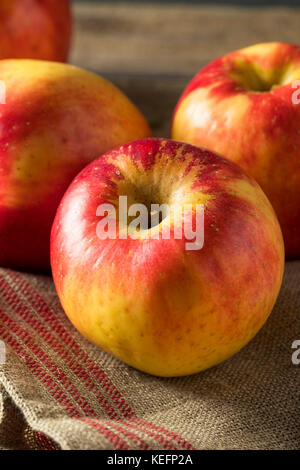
(57, 391)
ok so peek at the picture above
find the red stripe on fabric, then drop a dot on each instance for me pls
(26, 315)
(98, 426)
(55, 391)
(96, 423)
(57, 372)
(44, 441)
(38, 372)
(42, 308)
(45, 359)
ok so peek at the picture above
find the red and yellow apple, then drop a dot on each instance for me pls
(35, 29)
(148, 300)
(57, 118)
(246, 107)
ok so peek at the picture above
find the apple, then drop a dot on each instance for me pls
(35, 29)
(149, 301)
(245, 106)
(57, 118)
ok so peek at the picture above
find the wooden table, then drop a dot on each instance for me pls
(151, 50)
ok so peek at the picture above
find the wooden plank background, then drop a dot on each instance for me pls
(151, 50)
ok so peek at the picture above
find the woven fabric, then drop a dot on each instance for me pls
(59, 391)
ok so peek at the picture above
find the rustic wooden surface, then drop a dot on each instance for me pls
(151, 51)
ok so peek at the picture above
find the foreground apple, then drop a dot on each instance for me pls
(246, 107)
(57, 118)
(36, 29)
(151, 302)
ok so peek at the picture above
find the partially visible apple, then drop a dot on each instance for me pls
(246, 107)
(57, 118)
(149, 301)
(35, 29)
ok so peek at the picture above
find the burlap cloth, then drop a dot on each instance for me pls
(59, 391)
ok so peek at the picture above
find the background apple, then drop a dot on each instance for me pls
(36, 29)
(241, 106)
(57, 118)
(150, 302)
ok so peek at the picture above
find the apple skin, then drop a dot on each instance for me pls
(225, 110)
(157, 307)
(57, 118)
(35, 29)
